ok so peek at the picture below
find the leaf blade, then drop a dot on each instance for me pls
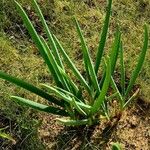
(100, 100)
(122, 69)
(40, 107)
(87, 59)
(49, 34)
(36, 39)
(30, 88)
(72, 66)
(73, 122)
(139, 65)
(103, 38)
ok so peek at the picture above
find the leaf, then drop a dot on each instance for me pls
(99, 101)
(122, 70)
(73, 122)
(57, 93)
(66, 98)
(7, 136)
(78, 108)
(114, 86)
(116, 146)
(49, 35)
(72, 67)
(103, 38)
(40, 107)
(131, 98)
(30, 88)
(36, 39)
(87, 59)
(115, 51)
(73, 86)
(113, 55)
(139, 65)
(55, 65)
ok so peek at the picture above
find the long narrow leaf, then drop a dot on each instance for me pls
(78, 108)
(113, 55)
(115, 51)
(72, 67)
(67, 98)
(103, 38)
(122, 70)
(54, 64)
(99, 101)
(73, 122)
(137, 70)
(49, 35)
(87, 59)
(6, 136)
(40, 107)
(73, 86)
(36, 39)
(132, 98)
(30, 88)
(114, 86)
(68, 93)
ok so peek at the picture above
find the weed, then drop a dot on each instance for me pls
(70, 100)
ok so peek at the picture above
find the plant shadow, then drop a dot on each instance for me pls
(81, 138)
(101, 135)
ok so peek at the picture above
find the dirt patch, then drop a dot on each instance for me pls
(132, 131)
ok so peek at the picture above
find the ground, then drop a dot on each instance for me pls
(132, 131)
(20, 57)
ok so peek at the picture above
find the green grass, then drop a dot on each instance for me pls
(24, 121)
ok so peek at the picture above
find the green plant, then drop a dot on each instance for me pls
(84, 102)
(6, 136)
(116, 146)
(124, 94)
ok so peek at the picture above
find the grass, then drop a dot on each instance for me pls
(23, 121)
(126, 12)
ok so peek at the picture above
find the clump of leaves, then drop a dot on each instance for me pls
(67, 98)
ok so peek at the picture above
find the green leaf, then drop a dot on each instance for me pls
(54, 91)
(78, 108)
(103, 37)
(65, 97)
(55, 65)
(115, 51)
(73, 86)
(73, 122)
(109, 98)
(114, 86)
(40, 107)
(139, 65)
(100, 100)
(116, 146)
(87, 59)
(30, 88)
(72, 66)
(122, 70)
(36, 39)
(6, 136)
(49, 35)
(113, 55)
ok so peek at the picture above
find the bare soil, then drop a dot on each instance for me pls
(132, 131)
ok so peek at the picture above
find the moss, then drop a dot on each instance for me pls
(25, 122)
